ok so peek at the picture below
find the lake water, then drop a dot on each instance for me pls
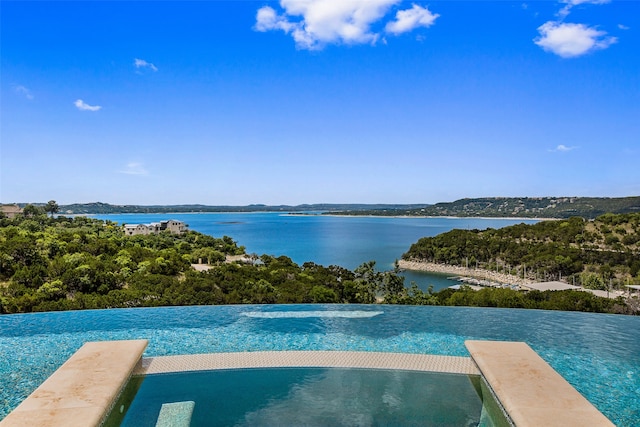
(327, 240)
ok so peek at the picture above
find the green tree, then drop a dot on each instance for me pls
(368, 281)
(321, 294)
(31, 211)
(52, 207)
(592, 281)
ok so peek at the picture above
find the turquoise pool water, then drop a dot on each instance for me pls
(598, 354)
(308, 397)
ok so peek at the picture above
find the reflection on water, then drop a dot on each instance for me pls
(311, 397)
(307, 314)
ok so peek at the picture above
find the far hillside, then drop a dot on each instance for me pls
(596, 254)
(518, 207)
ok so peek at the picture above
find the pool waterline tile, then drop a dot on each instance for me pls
(319, 359)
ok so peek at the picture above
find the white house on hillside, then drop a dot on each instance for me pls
(11, 211)
(173, 226)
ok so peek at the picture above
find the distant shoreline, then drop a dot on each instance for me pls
(455, 270)
(533, 208)
(442, 216)
(302, 213)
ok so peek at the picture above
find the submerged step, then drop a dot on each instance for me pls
(176, 414)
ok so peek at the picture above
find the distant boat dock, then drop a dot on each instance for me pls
(479, 283)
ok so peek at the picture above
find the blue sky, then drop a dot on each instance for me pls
(318, 101)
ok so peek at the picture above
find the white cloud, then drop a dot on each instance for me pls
(563, 148)
(83, 106)
(316, 23)
(267, 19)
(407, 20)
(571, 3)
(134, 168)
(571, 40)
(24, 91)
(577, 2)
(623, 27)
(141, 63)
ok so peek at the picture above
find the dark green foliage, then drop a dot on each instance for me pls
(509, 298)
(81, 263)
(77, 263)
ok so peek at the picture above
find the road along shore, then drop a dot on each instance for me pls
(455, 270)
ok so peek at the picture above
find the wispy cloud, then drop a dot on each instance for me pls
(623, 27)
(570, 4)
(134, 168)
(409, 19)
(315, 23)
(141, 63)
(577, 2)
(24, 92)
(83, 106)
(571, 40)
(562, 148)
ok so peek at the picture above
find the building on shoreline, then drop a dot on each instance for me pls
(171, 225)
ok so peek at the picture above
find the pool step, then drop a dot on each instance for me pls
(531, 391)
(176, 414)
(82, 391)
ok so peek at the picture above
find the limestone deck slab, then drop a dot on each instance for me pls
(531, 391)
(328, 359)
(82, 391)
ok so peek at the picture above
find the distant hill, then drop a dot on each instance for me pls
(525, 207)
(105, 208)
(496, 207)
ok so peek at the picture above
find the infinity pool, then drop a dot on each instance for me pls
(598, 354)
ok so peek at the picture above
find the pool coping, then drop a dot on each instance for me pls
(529, 389)
(83, 390)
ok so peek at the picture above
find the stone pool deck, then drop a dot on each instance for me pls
(531, 391)
(81, 392)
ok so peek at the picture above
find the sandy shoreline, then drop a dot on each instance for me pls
(462, 271)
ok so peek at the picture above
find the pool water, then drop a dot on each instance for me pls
(598, 354)
(309, 397)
